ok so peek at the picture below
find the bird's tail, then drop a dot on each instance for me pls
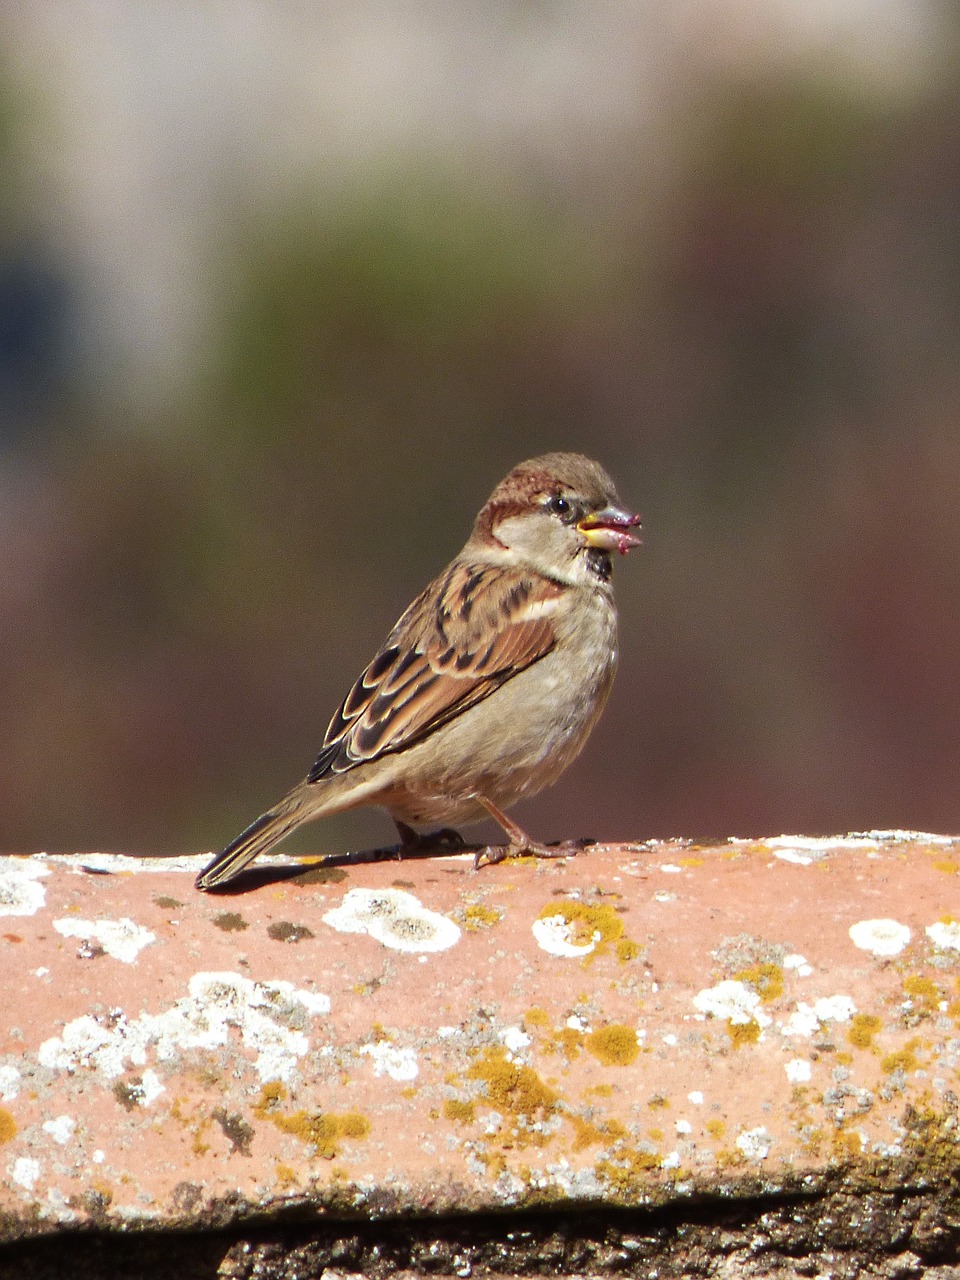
(260, 836)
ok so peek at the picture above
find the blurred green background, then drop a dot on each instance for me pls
(285, 290)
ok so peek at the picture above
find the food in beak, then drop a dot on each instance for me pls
(609, 528)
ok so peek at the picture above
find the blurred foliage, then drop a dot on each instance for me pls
(765, 359)
(415, 269)
(409, 310)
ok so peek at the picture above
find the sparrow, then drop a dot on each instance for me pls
(489, 684)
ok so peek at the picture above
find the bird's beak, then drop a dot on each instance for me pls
(609, 529)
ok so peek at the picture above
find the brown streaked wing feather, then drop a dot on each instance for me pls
(458, 641)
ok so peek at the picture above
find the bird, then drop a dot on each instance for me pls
(489, 684)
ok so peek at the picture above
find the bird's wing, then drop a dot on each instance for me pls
(469, 632)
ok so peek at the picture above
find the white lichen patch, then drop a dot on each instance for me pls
(121, 939)
(897, 836)
(734, 1001)
(21, 894)
(60, 1129)
(398, 1063)
(394, 918)
(798, 1070)
(124, 864)
(806, 1018)
(554, 934)
(149, 1089)
(25, 1172)
(268, 1016)
(799, 853)
(945, 934)
(755, 1144)
(515, 1040)
(881, 937)
(9, 1083)
(798, 964)
(820, 845)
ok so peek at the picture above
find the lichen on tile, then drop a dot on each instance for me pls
(21, 893)
(265, 1014)
(122, 939)
(395, 918)
(882, 937)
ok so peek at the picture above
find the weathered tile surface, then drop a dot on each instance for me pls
(640, 1024)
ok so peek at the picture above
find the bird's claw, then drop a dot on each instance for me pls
(491, 854)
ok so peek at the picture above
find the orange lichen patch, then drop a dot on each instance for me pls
(597, 926)
(625, 1168)
(766, 979)
(923, 992)
(8, 1126)
(588, 1133)
(715, 1128)
(863, 1027)
(196, 1124)
(742, 1033)
(285, 1175)
(518, 1092)
(599, 1091)
(615, 1045)
(658, 1101)
(740, 850)
(512, 1086)
(323, 1130)
(845, 1144)
(271, 1095)
(536, 1017)
(903, 1059)
(474, 916)
(459, 1112)
(949, 866)
(568, 1041)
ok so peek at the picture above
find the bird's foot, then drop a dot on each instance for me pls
(490, 855)
(520, 843)
(446, 840)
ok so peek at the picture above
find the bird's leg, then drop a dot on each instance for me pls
(520, 842)
(411, 841)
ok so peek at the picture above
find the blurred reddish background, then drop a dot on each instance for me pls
(282, 296)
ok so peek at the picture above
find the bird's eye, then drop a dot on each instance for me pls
(560, 506)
